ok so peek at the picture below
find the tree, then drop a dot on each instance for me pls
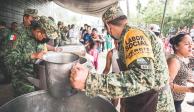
(152, 13)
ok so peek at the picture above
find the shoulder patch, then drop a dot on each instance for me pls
(136, 45)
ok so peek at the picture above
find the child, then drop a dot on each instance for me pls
(94, 52)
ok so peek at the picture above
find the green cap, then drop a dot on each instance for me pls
(112, 13)
(49, 26)
(60, 23)
(31, 12)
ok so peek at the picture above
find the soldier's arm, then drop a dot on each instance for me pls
(108, 62)
(124, 84)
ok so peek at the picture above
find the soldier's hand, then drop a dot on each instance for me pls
(58, 49)
(38, 55)
(78, 76)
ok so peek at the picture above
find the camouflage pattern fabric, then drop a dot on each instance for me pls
(49, 26)
(27, 29)
(31, 12)
(112, 13)
(20, 64)
(4, 33)
(51, 29)
(136, 79)
(4, 48)
(21, 29)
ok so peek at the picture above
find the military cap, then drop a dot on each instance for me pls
(31, 12)
(60, 23)
(49, 26)
(43, 19)
(112, 13)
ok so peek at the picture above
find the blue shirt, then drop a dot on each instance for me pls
(87, 37)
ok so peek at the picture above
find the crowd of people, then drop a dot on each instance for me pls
(141, 75)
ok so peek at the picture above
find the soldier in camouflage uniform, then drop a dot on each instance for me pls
(51, 27)
(61, 31)
(142, 63)
(4, 34)
(21, 59)
(4, 47)
(29, 18)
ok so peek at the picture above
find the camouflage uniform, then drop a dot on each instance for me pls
(4, 48)
(51, 29)
(22, 27)
(142, 74)
(20, 63)
(18, 60)
(49, 25)
(4, 34)
(63, 32)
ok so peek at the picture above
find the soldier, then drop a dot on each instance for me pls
(62, 31)
(13, 27)
(51, 30)
(143, 79)
(4, 47)
(4, 31)
(24, 31)
(29, 18)
(21, 59)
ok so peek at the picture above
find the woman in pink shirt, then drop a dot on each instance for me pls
(94, 52)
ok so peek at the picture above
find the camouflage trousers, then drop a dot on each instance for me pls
(4, 71)
(165, 101)
(21, 86)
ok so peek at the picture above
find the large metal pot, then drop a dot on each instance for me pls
(41, 101)
(78, 49)
(41, 75)
(58, 66)
(39, 68)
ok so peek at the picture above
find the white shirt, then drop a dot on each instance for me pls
(115, 66)
(192, 32)
(72, 33)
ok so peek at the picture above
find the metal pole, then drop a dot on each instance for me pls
(162, 24)
(127, 3)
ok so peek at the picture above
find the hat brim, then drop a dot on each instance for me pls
(33, 15)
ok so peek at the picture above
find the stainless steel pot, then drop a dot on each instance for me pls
(39, 68)
(78, 49)
(58, 66)
(40, 72)
(41, 101)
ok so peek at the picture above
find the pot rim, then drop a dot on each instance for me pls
(77, 57)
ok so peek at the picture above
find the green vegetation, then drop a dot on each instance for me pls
(177, 15)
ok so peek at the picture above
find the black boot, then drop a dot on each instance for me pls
(190, 102)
